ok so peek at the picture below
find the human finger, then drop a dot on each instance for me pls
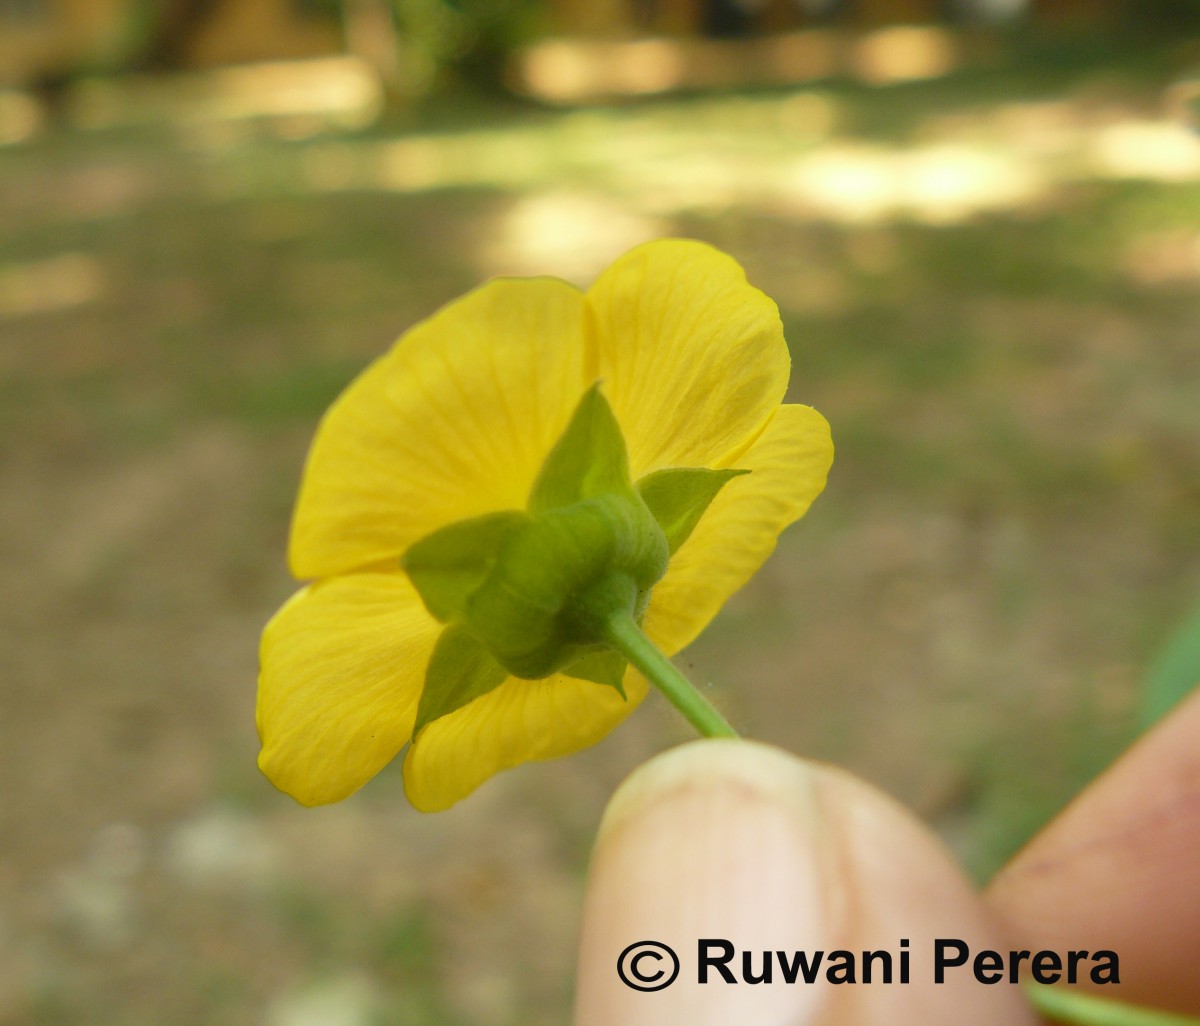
(729, 848)
(1120, 869)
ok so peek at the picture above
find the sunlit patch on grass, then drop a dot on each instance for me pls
(851, 182)
(576, 233)
(20, 116)
(411, 165)
(342, 999)
(44, 286)
(950, 182)
(938, 184)
(1042, 129)
(1164, 258)
(800, 155)
(1159, 151)
(491, 159)
(296, 99)
(808, 115)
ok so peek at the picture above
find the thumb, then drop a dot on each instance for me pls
(737, 853)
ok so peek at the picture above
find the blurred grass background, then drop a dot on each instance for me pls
(989, 269)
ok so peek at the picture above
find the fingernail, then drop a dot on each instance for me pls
(715, 841)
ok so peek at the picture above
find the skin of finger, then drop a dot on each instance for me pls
(737, 841)
(1120, 869)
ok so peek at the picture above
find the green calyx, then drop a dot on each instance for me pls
(528, 592)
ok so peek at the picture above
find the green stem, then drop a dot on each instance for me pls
(626, 637)
(1068, 1006)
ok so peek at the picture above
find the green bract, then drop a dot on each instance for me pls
(529, 592)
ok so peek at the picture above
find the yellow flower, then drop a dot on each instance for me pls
(455, 423)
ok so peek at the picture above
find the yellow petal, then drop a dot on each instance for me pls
(452, 423)
(342, 668)
(521, 721)
(788, 466)
(692, 357)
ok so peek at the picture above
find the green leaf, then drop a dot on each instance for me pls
(1175, 674)
(447, 567)
(459, 671)
(588, 460)
(679, 497)
(601, 668)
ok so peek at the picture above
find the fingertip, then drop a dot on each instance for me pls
(737, 842)
(715, 839)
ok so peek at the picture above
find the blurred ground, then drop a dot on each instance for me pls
(991, 283)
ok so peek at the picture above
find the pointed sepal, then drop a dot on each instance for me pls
(601, 668)
(589, 459)
(460, 670)
(679, 497)
(448, 566)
